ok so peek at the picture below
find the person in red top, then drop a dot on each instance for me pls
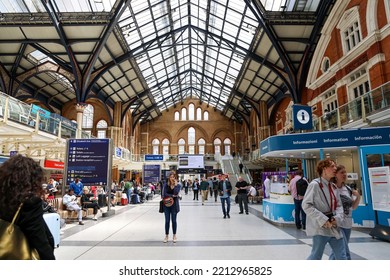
(300, 215)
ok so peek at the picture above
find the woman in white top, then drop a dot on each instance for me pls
(350, 199)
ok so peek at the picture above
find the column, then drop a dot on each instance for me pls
(80, 109)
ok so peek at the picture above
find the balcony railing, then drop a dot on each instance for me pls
(358, 109)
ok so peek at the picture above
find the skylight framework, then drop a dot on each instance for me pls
(187, 49)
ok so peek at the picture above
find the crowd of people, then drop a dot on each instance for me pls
(324, 210)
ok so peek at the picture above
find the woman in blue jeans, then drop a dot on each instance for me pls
(324, 213)
(350, 199)
(171, 190)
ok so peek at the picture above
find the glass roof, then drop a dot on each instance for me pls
(34, 6)
(290, 5)
(183, 51)
(184, 48)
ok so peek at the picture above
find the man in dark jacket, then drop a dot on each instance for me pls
(225, 191)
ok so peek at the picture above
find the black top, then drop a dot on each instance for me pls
(240, 185)
(34, 227)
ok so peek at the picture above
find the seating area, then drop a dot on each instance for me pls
(258, 198)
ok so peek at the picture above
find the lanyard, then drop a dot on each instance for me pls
(333, 199)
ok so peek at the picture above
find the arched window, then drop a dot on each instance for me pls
(155, 145)
(199, 114)
(191, 140)
(206, 116)
(217, 146)
(201, 146)
(88, 117)
(177, 116)
(227, 143)
(181, 144)
(183, 114)
(165, 146)
(191, 112)
(101, 129)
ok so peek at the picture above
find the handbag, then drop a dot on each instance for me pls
(13, 242)
(161, 210)
(168, 201)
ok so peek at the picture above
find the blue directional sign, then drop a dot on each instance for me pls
(153, 157)
(151, 173)
(88, 159)
(327, 139)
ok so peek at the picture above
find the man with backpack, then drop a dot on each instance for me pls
(297, 188)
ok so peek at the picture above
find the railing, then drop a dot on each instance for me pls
(20, 112)
(358, 109)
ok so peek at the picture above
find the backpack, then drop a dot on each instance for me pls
(301, 185)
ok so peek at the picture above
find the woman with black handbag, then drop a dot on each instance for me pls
(21, 181)
(171, 204)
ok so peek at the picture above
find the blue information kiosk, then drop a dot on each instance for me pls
(371, 147)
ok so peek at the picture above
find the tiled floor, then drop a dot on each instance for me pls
(137, 232)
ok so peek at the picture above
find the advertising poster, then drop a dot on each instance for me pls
(380, 188)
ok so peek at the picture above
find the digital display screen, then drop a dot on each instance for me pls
(191, 161)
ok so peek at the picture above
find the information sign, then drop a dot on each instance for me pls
(380, 187)
(151, 173)
(89, 159)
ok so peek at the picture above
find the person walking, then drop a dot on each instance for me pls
(225, 191)
(300, 215)
(170, 195)
(21, 181)
(324, 213)
(350, 199)
(195, 188)
(241, 187)
(215, 188)
(204, 186)
(241, 166)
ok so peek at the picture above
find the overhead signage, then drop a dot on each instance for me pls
(53, 164)
(154, 157)
(89, 159)
(151, 173)
(302, 117)
(191, 162)
(328, 139)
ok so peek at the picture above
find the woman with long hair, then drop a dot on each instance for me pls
(324, 213)
(350, 199)
(170, 195)
(21, 181)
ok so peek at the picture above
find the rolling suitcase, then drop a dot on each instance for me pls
(53, 222)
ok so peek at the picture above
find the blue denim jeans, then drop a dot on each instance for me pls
(170, 214)
(225, 210)
(128, 194)
(346, 235)
(299, 213)
(319, 242)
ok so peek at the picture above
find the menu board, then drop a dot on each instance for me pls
(88, 159)
(380, 188)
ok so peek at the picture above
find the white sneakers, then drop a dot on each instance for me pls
(166, 238)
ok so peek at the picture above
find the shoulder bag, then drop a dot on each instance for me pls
(13, 242)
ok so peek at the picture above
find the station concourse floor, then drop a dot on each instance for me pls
(136, 232)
